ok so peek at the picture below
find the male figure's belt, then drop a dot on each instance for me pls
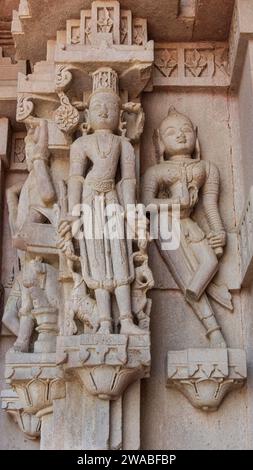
(102, 186)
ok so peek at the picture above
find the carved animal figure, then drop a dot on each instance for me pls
(81, 306)
(37, 287)
(144, 281)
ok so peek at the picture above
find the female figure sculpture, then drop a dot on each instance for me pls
(179, 178)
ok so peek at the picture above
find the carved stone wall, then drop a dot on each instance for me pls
(153, 350)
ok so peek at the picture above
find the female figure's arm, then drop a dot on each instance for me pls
(217, 237)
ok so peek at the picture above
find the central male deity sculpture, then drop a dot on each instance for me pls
(103, 173)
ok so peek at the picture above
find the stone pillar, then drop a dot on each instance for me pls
(4, 149)
(102, 346)
(98, 424)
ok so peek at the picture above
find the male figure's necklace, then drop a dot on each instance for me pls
(105, 152)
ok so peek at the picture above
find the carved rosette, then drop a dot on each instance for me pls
(206, 376)
(66, 116)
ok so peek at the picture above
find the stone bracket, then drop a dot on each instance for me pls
(105, 364)
(29, 424)
(206, 376)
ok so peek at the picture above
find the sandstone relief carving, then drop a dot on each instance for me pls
(179, 180)
(80, 307)
(190, 64)
(107, 267)
(79, 303)
(102, 272)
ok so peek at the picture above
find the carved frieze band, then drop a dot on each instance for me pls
(190, 64)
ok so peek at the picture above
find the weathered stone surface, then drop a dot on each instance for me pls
(171, 25)
(99, 336)
(206, 376)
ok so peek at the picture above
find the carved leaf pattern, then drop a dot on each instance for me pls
(139, 35)
(166, 61)
(123, 30)
(75, 36)
(196, 63)
(105, 23)
(87, 32)
(221, 60)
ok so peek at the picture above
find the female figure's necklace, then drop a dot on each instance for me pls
(105, 152)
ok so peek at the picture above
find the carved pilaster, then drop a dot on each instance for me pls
(92, 344)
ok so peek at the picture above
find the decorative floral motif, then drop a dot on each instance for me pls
(123, 31)
(66, 116)
(38, 394)
(166, 61)
(63, 77)
(24, 108)
(87, 31)
(75, 35)
(105, 23)
(196, 62)
(139, 35)
(221, 60)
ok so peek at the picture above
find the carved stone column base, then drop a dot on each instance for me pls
(105, 364)
(206, 376)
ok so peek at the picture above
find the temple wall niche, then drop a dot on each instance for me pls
(129, 58)
(210, 112)
(216, 115)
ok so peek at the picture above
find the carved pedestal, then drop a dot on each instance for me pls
(28, 423)
(87, 386)
(206, 376)
(37, 382)
(102, 374)
(105, 365)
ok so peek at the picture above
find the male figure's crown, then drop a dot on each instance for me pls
(105, 79)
